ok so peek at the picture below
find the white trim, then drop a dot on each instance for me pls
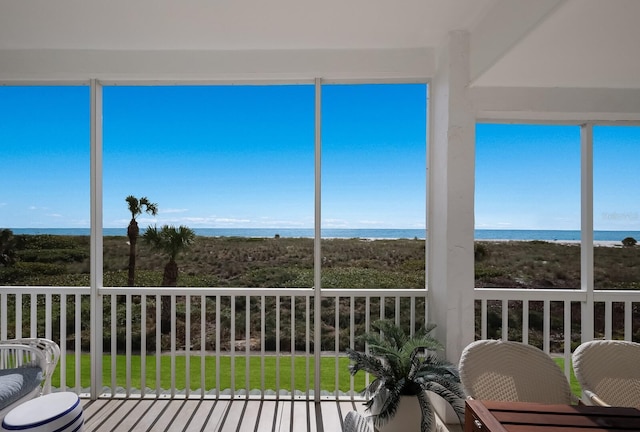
(208, 65)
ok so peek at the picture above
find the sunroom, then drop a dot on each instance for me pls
(561, 73)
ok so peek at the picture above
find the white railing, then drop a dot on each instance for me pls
(553, 318)
(207, 350)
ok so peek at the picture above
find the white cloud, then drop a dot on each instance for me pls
(174, 210)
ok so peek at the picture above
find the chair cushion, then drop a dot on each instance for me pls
(17, 383)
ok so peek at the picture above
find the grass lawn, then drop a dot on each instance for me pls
(575, 385)
(327, 373)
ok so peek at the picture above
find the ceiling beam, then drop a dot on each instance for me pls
(502, 28)
(412, 64)
(523, 104)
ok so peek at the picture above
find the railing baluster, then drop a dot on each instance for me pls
(525, 321)
(628, 323)
(62, 363)
(173, 345)
(18, 326)
(247, 345)
(78, 346)
(158, 353)
(352, 325)
(567, 337)
(203, 343)
(505, 320)
(262, 341)
(3, 314)
(608, 316)
(277, 347)
(547, 326)
(143, 345)
(114, 341)
(293, 346)
(307, 344)
(232, 345)
(33, 320)
(47, 316)
(412, 315)
(218, 299)
(128, 325)
(336, 345)
(187, 345)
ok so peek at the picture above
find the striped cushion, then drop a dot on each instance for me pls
(17, 383)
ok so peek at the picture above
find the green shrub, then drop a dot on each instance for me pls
(53, 255)
(484, 273)
(480, 252)
(629, 241)
(24, 271)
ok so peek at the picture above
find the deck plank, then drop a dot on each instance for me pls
(184, 416)
(216, 415)
(267, 416)
(211, 415)
(200, 416)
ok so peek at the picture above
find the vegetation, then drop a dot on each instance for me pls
(7, 248)
(171, 242)
(136, 207)
(346, 263)
(405, 366)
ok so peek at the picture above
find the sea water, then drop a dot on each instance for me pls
(481, 234)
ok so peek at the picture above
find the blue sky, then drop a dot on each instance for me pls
(224, 156)
(243, 156)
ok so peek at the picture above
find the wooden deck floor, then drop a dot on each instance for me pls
(164, 415)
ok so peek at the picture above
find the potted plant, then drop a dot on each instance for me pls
(406, 366)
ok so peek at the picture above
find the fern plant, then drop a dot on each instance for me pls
(406, 366)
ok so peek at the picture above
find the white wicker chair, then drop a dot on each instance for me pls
(356, 422)
(26, 366)
(609, 372)
(512, 371)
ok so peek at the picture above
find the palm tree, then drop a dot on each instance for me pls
(136, 207)
(171, 241)
(406, 366)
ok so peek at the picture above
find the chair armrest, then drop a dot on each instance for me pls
(593, 399)
(41, 352)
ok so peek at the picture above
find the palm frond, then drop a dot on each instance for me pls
(422, 343)
(392, 333)
(453, 398)
(426, 421)
(366, 362)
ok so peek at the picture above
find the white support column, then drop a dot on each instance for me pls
(317, 242)
(586, 246)
(451, 199)
(96, 238)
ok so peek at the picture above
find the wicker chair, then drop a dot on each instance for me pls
(356, 422)
(512, 371)
(609, 372)
(26, 366)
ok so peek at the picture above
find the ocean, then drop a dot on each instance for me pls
(481, 234)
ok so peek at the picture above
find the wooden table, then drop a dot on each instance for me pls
(493, 416)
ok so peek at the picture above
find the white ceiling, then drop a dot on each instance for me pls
(232, 24)
(515, 43)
